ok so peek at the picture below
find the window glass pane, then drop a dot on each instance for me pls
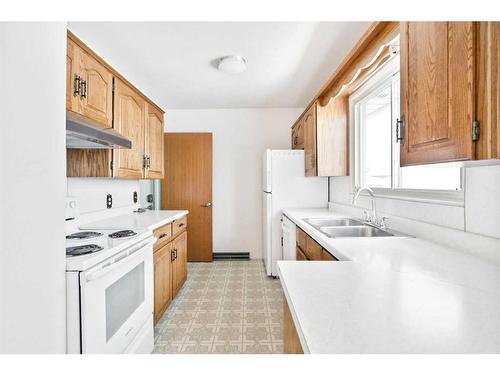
(433, 177)
(376, 122)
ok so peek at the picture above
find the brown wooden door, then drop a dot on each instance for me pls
(437, 91)
(162, 280)
(129, 122)
(96, 92)
(154, 142)
(309, 124)
(188, 185)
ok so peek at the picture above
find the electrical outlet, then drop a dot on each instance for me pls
(109, 201)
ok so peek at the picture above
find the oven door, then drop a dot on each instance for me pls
(117, 300)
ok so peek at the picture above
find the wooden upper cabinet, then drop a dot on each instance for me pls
(309, 124)
(298, 135)
(437, 91)
(154, 143)
(333, 137)
(71, 97)
(129, 118)
(488, 89)
(89, 87)
(96, 90)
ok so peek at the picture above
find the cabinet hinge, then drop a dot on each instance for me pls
(476, 130)
(144, 162)
(111, 165)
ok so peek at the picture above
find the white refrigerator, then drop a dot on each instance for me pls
(285, 186)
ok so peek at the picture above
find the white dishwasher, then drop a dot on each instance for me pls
(289, 232)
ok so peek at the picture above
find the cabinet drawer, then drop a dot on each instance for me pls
(179, 225)
(301, 239)
(163, 235)
(313, 249)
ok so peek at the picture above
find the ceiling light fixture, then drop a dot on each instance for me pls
(232, 64)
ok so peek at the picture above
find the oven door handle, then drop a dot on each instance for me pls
(130, 254)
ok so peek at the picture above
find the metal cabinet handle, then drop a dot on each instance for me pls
(149, 161)
(172, 255)
(209, 204)
(175, 250)
(76, 85)
(83, 92)
(163, 235)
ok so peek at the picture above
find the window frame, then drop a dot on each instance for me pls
(362, 92)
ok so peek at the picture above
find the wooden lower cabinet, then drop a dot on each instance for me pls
(291, 340)
(179, 264)
(162, 280)
(170, 267)
(300, 254)
(308, 249)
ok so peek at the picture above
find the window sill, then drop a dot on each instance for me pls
(444, 198)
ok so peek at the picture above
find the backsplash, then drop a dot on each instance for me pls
(91, 192)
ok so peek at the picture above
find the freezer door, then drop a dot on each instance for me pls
(267, 171)
(266, 231)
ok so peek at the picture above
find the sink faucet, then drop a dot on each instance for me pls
(373, 217)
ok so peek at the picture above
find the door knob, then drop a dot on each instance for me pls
(209, 204)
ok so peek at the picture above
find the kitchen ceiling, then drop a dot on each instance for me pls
(174, 62)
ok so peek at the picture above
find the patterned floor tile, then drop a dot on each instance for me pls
(225, 307)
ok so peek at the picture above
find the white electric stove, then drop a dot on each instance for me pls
(109, 278)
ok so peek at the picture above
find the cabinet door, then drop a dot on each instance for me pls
(333, 137)
(309, 124)
(129, 122)
(313, 249)
(298, 135)
(325, 255)
(300, 255)
(162, 281)
(437, 91)
(154, 142)
(96, 93)
(72, 99)
(488, 89)
(179, 265)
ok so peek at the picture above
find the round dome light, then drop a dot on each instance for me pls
(232, 64)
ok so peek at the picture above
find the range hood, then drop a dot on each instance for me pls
(81, 134)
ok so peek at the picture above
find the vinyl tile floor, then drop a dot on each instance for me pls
(224, 307)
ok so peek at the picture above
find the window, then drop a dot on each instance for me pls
(374, 108)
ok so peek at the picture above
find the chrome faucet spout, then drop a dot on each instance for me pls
(373, 217)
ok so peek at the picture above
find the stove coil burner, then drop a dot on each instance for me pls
(123, 234)
(83, 235)
(82, 250)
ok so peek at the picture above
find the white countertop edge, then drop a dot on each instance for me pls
(165, 221)
(303, 342)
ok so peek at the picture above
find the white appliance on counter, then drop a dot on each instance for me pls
(285, 186)
(109, 289)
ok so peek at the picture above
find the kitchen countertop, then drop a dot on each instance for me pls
(391, 295)
(148, 220)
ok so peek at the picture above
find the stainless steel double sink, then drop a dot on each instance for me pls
(346, 227)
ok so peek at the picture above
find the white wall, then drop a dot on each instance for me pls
(32, 186)
(91, 193)
(240, 137)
